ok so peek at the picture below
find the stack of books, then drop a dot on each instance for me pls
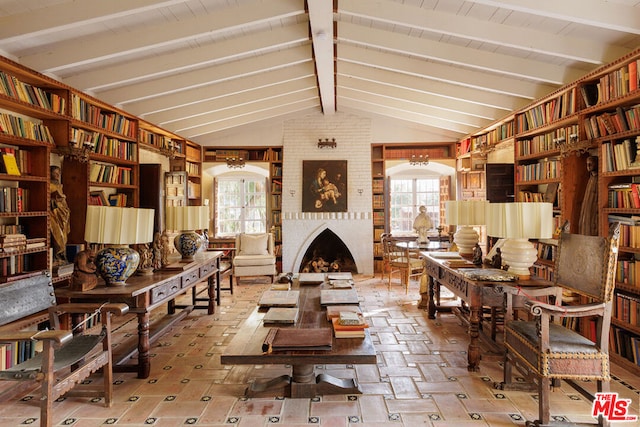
(12, 242)
(349, 324)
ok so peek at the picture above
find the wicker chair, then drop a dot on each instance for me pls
(546, 350)
(404, 260)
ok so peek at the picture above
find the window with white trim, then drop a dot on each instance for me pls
(241, 205)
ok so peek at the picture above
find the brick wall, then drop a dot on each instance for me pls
(354, 227)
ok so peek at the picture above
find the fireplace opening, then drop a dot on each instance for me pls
(327, 253)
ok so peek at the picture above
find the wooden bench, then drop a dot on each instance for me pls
(65, 359)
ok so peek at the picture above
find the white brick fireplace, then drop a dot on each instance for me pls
(354, 227)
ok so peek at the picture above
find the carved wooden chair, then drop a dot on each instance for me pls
(65, 359)
(546, 350)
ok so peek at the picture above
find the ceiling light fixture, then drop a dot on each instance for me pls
(419, 160)
(235, 162)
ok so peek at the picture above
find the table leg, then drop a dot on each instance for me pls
(212, 283)
(144, 362)
(474, 354)
(431, 302)
(424, 291)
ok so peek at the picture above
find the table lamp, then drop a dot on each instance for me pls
(465, 213)
(117, 228)
(517, 223)
(187, 219)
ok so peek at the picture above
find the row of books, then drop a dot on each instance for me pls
(276, 170)
(276, 201)
(160, 141)
(100, 198)
(105, 119)
(628, 272)
(407, 153)
(561, 106)
(378, 201)
(15, 88)
(103, 144)
(501, 132)
(377, 185)
(24, 128)
(14, 265)
(625, 196)
(629, 229)
(17, 352)
(626, 308)
(193, 168)
(620, 155)
(604, 124)
(108, 173)
(625, 343)
(547, 169)
(547, 141)
(617, 83)
(14, 199)
(20, 164)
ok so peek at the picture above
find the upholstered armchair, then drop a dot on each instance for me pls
(254, 255)
(546, 349)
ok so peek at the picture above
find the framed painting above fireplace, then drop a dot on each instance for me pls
(324, 186)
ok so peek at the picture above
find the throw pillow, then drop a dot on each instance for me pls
(253, 244)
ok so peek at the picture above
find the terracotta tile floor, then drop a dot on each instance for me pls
(420, 378)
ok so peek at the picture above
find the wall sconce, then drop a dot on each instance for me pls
(169, 149)
(77, 151)
(360, 191)
(235, 162)
(419, 160)
(292, 192)
(326, 143)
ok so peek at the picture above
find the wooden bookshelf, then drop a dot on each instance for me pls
(191, 162)
(553, 136)
(381, 154)
(31, 103)
(273, 157)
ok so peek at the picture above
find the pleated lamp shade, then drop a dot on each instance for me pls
(187, 218)
(465, 213)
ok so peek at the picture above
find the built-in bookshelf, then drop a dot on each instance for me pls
(191, 162)
(30, 103)
(156, 139)
(597, 115)
(381, 155)
(273, 157)
(176, 188)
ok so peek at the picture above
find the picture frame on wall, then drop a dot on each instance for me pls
(324, 185)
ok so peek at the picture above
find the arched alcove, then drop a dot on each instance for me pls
(332, 250)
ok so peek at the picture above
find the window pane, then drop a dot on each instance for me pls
(407, 195)
(241, 205)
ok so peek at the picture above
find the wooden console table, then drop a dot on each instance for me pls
(476, 295)
(145, 293)
(246, 349)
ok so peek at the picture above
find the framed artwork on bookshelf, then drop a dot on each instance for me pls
(325, 186)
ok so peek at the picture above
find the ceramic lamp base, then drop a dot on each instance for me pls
(519, 255)
(465, 239)
(187, 244)
(116, 264)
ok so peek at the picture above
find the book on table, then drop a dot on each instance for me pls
(335, 310)
(271, 298)
(285, 315)
(338, 296)
(348, 331)
(287, 339)
(311, 278)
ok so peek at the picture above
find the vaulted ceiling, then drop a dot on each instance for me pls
(204, 67)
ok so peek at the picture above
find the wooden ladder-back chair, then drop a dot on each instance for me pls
(65, 359)
(406, 261)
(546, 350)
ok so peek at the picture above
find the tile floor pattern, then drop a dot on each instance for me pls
(420, 379)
